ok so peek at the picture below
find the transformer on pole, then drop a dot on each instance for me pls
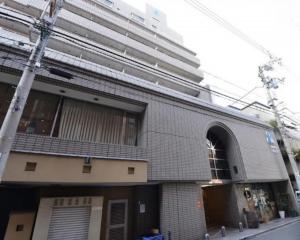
(269, 84)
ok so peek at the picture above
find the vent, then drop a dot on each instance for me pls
(131, 170)
(86, 169)
(20, 228)
(60, 73)
(30, 166)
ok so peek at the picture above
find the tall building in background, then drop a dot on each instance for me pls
(117, 138)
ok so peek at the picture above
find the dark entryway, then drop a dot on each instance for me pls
(220, 206)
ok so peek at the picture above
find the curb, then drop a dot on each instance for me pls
(270, 229)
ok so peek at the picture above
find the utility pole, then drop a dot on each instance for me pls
(15, 110)
(272, 83)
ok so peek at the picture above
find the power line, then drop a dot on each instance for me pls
(215, 93)
(59, 33)
(245, 95)
(228, 82)
(155, 68)
(237, 32)
(93, 47)
(227, 25)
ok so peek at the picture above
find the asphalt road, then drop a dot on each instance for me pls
(288, 232)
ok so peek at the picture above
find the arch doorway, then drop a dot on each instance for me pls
(219, 195)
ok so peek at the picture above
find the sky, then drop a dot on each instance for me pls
(275, 24)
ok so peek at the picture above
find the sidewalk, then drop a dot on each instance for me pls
(234, 234)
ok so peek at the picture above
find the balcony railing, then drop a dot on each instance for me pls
(63, 147)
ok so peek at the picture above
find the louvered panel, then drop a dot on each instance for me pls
(69, 223)
(117, 220)
(117, 214)
(116, 233)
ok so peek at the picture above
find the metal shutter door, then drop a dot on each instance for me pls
(69, 223)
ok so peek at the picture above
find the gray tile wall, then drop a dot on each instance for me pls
(180, 217)
(174, 131)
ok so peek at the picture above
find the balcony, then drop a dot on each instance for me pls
(47, 160)
(29, 143)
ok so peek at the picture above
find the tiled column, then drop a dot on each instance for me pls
(181, 211)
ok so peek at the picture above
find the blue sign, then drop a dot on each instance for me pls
(271, 141)
(156, 12)
(270, 138)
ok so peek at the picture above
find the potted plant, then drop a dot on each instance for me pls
(283, 205)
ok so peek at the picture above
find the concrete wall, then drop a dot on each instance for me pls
(25, 219)
(181, 217)
(54, 169)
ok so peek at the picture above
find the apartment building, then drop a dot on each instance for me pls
(117, 138)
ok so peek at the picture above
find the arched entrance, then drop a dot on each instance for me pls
(217, 156)
(225, 162)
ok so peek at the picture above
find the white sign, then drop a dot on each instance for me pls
(142, 207)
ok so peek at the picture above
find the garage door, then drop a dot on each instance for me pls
(69, 223)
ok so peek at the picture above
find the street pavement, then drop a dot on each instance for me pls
(278, 229)
(288, 232)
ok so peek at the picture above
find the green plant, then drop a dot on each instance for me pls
(283, 202)
(297, 154)
(273, 124)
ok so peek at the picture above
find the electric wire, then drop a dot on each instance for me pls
(67, 37)
(227, 25)
(216, 93)
(213, 92)
(227, 81)
(245, 95)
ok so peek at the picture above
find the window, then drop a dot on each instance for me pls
(217, 157)
(51, 115)
(130, 137)
(6, 95)
(39, 111)
(85, 121)
(137, 18)
(108, 3)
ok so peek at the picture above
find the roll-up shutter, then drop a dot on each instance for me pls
(69, 223)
